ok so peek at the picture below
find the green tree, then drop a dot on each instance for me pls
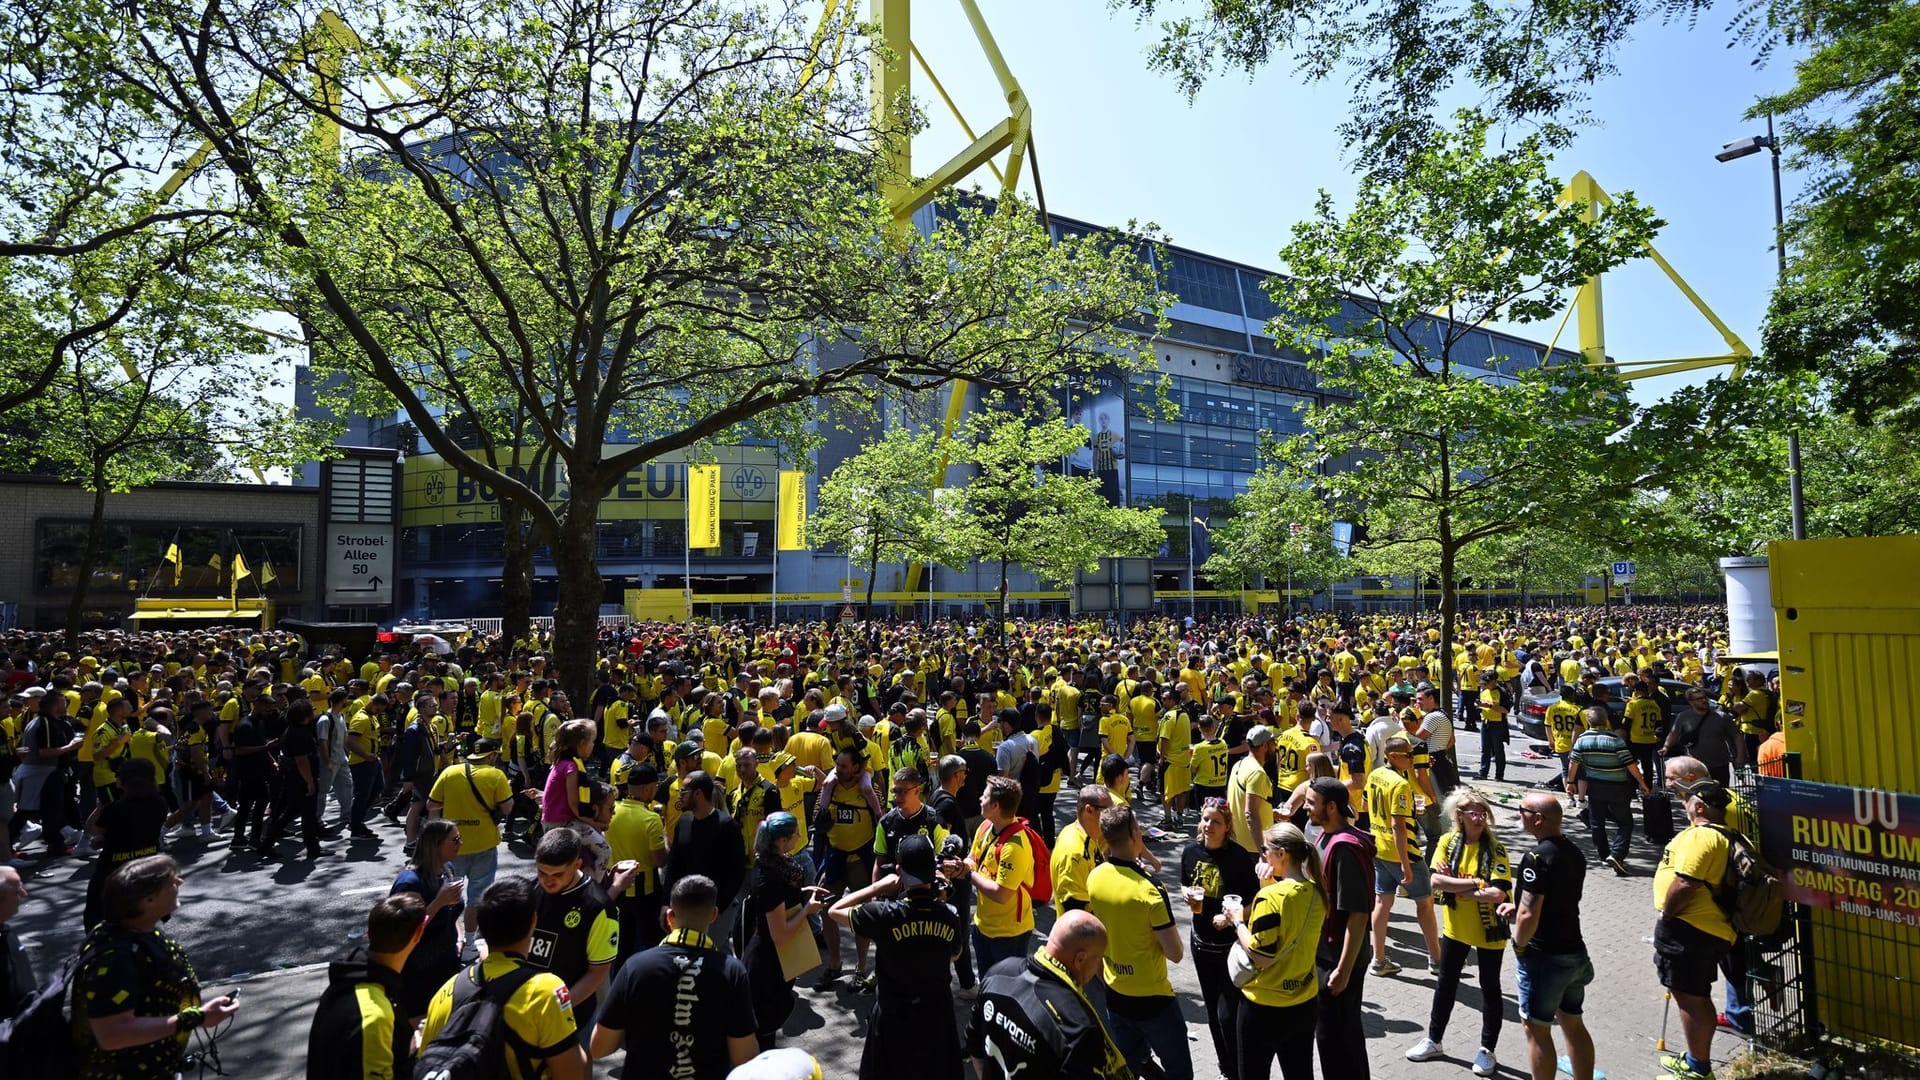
(1425, 450)
(1278, 531)
(1016, 507)
(163, 395)
(878, 504)
(1849, 310)
(652, 229)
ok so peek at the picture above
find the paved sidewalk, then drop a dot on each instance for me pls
(1624, 1004)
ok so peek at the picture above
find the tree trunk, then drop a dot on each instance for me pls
(1000, 617)
(89, 558)
(1449, 606)
(516, 575)
(576, 611)
(873, 571)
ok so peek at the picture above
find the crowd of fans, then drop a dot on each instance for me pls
(972, 806)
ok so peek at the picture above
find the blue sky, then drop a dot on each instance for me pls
(1229, 173)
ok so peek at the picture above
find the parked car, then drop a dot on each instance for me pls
(1533, 707)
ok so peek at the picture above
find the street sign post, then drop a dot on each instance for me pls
(359, 565)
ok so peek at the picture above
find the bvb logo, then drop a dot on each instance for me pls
(572, 920)
(748, 482)
(986, 1010)
(436, 487)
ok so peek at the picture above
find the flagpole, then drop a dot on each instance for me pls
(687, 575)
(774, 607)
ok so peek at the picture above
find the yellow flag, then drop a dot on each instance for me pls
(173, 556)
(267, 576)
(793, 510)
(214, 561)
(240, 568)
(703, 506)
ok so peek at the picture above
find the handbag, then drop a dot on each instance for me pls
(1240, 967)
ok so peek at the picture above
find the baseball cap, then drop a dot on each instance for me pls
(783, 761)
(1261, 735)
(916, 863)
(685, 750)
(834, 713)
(483, 747)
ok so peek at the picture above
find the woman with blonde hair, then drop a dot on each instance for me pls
(1279, 932)
(1471, 879)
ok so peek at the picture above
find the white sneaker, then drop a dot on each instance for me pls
(1426, 1050)
(206, 832)
(1484, 1063)
(28, 834)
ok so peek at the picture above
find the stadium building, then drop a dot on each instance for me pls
(1232, 386)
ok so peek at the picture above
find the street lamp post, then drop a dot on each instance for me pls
(1733, 151)
(1193, 607)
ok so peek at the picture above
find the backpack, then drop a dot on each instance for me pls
(1361, 844)
(475, 1042)
(1749, 892)
(38, 1040)
(1042, 889)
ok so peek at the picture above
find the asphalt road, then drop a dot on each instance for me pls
(269, 928)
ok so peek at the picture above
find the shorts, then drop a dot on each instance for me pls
(851, 869)
(1387, 880)
(1551, 984)
(1145, 753)
(1686, 957)
(478, 868)
(1201, 793)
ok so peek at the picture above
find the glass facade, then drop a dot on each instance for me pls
(1207, 451)
(131, 555)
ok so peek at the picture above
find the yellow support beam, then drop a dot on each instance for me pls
(1587, 304)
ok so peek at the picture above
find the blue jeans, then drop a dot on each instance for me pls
(1551, 984)
(988, 951)
(1162, 1034)
(1739, 1008)
(366, 785)
(1493, 750)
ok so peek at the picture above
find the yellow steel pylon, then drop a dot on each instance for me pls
(1586, 191)
(893, 108)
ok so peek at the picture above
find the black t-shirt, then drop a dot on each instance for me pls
(299, 742)
(1227, 869)
(914, 940)
(1351, 884)
(247, 733)
(980, 766)
(896, 825)
(678, 1004)
(568, 927)
(1556, 870)
(132, 828)
(948, 807)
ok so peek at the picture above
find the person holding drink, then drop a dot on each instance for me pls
(1279, 931)
(1473, 877)
(1212, 868)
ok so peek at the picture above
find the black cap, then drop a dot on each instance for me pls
(916, 863)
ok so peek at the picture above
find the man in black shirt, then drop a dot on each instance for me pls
(707, 841)
(686, 1004)
(915, 938)
(577, 935)
(300, 756)
(944, 802)
(251, 769)
(1346, 865)
(1033, 1018)
(1554, 968)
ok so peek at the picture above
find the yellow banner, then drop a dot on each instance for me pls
(793, 510)
(703, 506)
(434, 493)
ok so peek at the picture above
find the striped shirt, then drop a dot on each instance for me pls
(1603, 755)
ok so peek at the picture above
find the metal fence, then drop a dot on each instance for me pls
(1833, 985)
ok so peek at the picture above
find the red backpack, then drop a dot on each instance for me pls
(1042, 890)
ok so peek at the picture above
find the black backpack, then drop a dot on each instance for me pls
(37, 1042)
(475, 1042)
